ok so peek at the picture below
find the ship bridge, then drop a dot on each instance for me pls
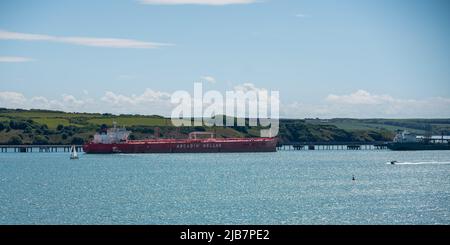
(194, 135)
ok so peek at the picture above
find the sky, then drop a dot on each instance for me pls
(327, 58)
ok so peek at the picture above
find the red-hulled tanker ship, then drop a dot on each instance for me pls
(115, 140)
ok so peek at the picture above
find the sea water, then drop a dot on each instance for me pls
(287, 187)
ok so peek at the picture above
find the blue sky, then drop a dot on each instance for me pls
(328, 58)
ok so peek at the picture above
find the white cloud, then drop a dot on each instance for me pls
(209, 79)
(14, 59)
(84, 41)
(261, 100)
(11, 99)
(360, 97)
(6, 35)
(70, 100)
(66, 103)
(40, 102)
(301, 15)
(197, 2)
(362, 104)
(149, 102)
(146, 97)
(117, 99)
(246, 87)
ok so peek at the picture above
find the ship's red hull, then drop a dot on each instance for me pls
(185, 146)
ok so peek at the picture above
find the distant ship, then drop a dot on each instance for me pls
(115, 140)
(406, 141)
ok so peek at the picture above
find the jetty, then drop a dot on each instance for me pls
(39, 148)
(332, 145)
(291, 146)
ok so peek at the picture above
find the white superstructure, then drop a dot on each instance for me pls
(405, 137)
(112, 136)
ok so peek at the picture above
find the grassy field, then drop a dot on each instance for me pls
(357, 126)
(52, 123)
(131, 121)
(45, 114)
(417, 126)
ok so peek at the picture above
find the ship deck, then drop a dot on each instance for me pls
(188, 141)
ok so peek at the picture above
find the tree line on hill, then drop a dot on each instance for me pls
(29, 132)
(18, 126)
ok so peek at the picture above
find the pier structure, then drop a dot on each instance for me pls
(293, 146)
(323, 146)
(38, 148)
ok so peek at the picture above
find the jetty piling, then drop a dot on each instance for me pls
(38, 148)
(332, 146)
(295, 146)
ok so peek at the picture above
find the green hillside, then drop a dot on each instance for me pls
(56, 127)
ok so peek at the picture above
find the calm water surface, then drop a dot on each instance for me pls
(305, 187)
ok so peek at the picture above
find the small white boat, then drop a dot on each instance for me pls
(73, 153)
